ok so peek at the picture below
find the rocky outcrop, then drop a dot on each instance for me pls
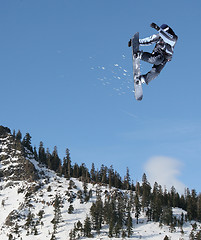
(14, 163)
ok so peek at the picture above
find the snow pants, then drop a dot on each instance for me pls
(158, 60)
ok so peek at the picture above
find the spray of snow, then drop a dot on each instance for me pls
(116, 76)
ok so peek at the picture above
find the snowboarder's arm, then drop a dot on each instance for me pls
(155, 26)
(149, 40)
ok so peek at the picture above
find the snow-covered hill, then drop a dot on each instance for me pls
(28, 202)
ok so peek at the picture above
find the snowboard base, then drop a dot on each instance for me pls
(134, 42)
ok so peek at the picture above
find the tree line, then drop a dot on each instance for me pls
(155, 201)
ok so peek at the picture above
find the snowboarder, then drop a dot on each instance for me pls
(165, 41)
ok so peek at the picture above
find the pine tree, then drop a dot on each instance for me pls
(167, 215)
(117, 180)
(10, 237)
(35, 154)
(14, 134)
(103, 174)
(26, 142)
(48, 158)
(112, 217)
(40, 214)
(70, 209)
(111, 177)
(41, 154)
(156, 202)
(57, 212)
(76, 171)
(87, 227)
(67, 165)
(93, 173)
(55, 160)
(96, 211)
(16, 229)
(137, 207)
(191, 205)
(129, 225)
(166, 238)
(18, 136)
(199, 207)
(127, 180)
(146, 192)
(29, 220)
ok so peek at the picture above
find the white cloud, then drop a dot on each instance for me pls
(164, 171)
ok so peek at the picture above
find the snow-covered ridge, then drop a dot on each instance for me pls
(28, 208)
(16, 196)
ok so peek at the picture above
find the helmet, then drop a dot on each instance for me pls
(167, 29)
(164, 27)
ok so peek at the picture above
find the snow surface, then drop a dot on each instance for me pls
(12, 197)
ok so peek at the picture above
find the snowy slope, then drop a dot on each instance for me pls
(20, 198)
(43, 200)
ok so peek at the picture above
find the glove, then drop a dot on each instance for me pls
(155, 26)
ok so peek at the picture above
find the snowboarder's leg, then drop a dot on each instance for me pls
(155, 71)
(153, 58)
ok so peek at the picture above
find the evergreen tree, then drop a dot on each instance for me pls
(127, 180)
(191, 205)
(29, 220)
(35, 154)
(199, 208)
(146, 192)
(55, 160)
(76, 171)
(96, 211)
(14, 134)
(40, 214)
(93, 173)
(129, 225)
(117, 180)
(48, 158)
(137, 207)
(87, 227)
(41, 154)
(26, 142)
(67, 165)
(167, 215)
(120, 212)
(16, 229)
(70, 209)
(156, 202)
(111, 177)
(57, 212)
(18, 136)
(10, 237)
(166, 238)
(112, 217)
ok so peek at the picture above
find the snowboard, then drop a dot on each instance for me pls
(134, 43)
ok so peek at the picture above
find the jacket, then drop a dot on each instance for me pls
(165, 42)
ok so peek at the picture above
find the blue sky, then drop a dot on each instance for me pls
(66, 78)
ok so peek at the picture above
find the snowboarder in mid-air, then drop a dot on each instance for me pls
(165, 42)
